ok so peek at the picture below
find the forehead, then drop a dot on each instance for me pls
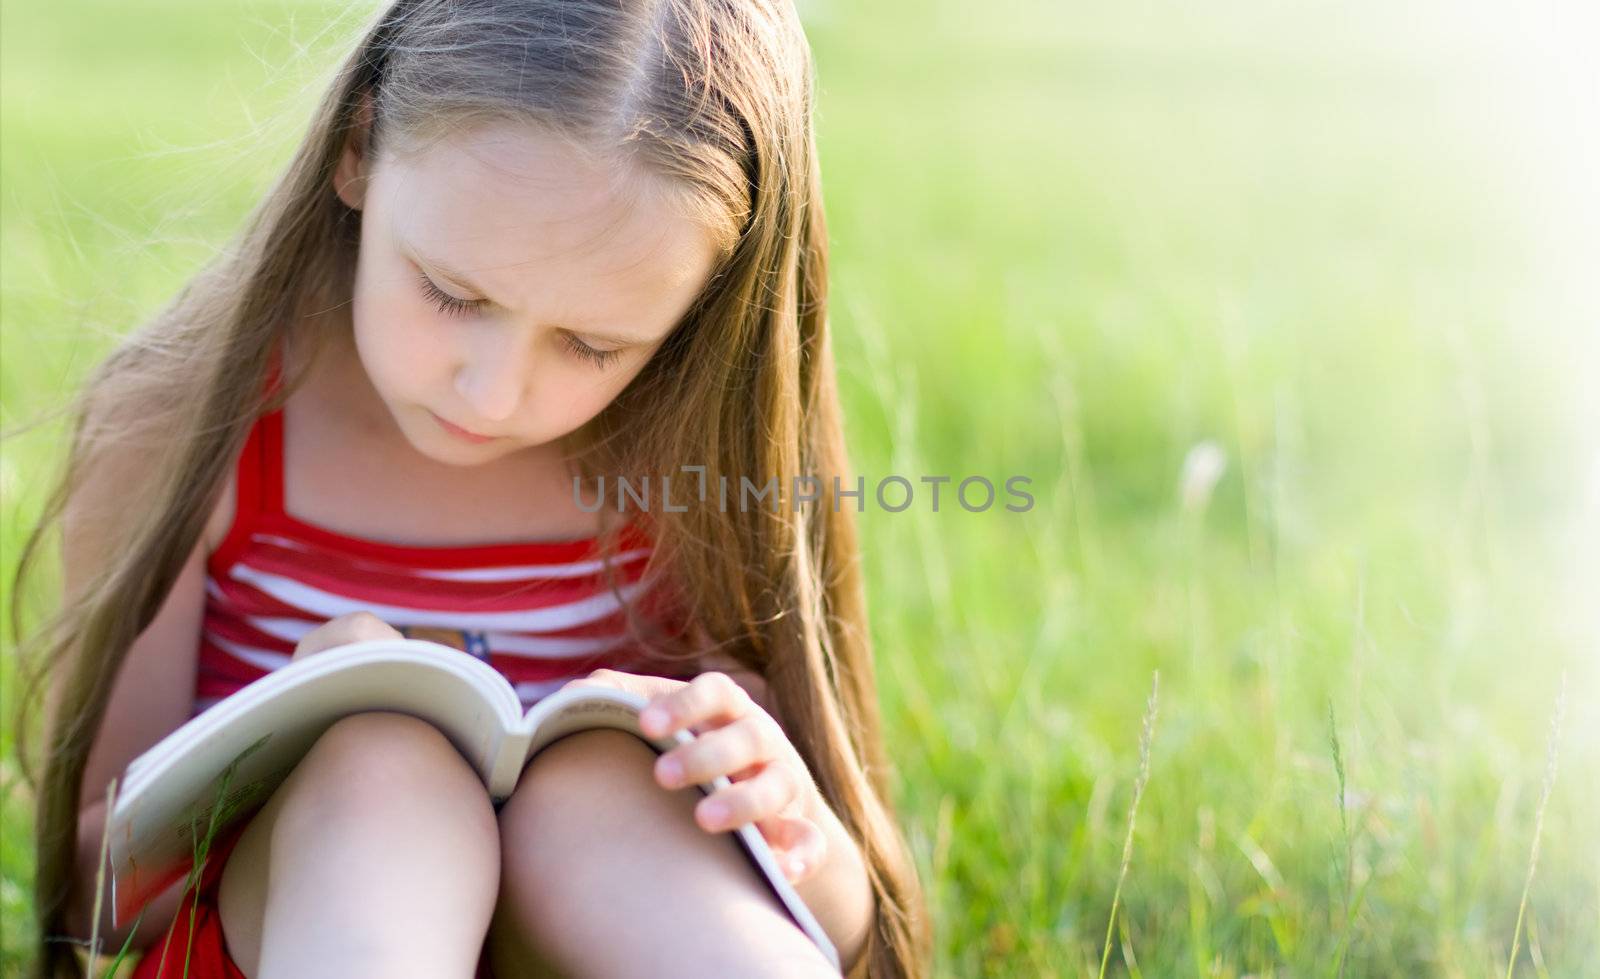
(517, 208)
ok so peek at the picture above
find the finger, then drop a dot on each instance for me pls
(588, 681)
(737, 747)
(711, 699)
(355, 626)
(344, 629)
(764, 796)
(799, 844)
(606, 678)
(648, 687)
(318, 641)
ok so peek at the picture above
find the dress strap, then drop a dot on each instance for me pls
(250, 479)
(269, 479)
(269, 458)
(257, 476)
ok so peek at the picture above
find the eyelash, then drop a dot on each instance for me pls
(443, 301)
(451, 306)
(599, 358)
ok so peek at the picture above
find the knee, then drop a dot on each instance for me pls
(577, 797)
(382, 761)
(573, 784)
(597, 762)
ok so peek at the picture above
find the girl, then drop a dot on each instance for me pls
(524, 241)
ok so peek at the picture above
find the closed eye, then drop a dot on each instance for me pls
(454, 306)
(599, 358)
(443, 301)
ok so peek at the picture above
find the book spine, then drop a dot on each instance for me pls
(509, 760)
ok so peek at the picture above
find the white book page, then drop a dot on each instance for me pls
(169, 792)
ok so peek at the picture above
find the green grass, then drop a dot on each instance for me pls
(1348, 247)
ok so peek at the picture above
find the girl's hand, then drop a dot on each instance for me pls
(736, 737)
(347, 628)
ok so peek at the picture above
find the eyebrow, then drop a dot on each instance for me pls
(461, 281)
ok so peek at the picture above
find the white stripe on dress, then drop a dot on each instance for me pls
(502, 643)
(552, 647)
(513, 643)
(574, 569)
(266, 659)
(281, 627)
(327, 605)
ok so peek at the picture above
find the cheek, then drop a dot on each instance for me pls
(397, 341)
(571, 394)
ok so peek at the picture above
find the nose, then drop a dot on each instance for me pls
(493, 377)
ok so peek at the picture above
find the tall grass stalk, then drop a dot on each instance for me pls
(99, 893)
(1538, 820)
(1145, 736)
(223, 811)
(1349, 845)
(100, 873)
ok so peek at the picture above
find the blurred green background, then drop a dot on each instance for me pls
(1344, 250)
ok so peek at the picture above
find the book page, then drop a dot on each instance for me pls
(254, 738)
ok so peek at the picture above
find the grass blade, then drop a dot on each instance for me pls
(1145, 736)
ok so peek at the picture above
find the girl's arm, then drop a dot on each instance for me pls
(153, 692)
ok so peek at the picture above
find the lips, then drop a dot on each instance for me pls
(462, 433)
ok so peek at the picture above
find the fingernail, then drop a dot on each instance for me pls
(715, 813)
(671, 770)
(653, 719)
(797, 866)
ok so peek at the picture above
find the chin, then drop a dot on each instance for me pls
(462, 455)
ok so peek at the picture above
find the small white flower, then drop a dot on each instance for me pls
(1202, 467)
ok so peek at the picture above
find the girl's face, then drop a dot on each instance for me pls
(510, 288)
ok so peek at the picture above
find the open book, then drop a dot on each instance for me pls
(221, 764)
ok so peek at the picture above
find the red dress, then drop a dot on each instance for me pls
(541, 613)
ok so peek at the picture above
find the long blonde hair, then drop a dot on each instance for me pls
(716, 97)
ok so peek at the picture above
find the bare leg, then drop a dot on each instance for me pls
(377, 856)
(605, 873)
